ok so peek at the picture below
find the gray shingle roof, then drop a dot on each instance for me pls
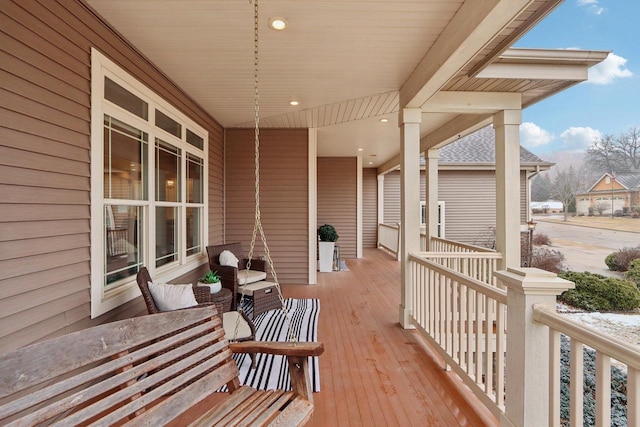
(631, 181)
(479, 147)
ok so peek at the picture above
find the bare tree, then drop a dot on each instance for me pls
(601, 207)
(565, 186)
(619, 154)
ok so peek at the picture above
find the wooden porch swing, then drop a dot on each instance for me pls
(152, 369)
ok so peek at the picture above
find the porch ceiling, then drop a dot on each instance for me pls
(347, 63)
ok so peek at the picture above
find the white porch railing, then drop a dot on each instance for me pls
(476, 265)
(389, 238)
(465, 319)
(439, 244)
(606, 348)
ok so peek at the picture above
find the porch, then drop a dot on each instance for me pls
(373, 372)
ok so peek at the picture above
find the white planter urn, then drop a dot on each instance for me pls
(214, 288)
(325, 263)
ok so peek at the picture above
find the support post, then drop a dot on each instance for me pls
(410, 119)
(507, 129)
(432, 195)
(527, 371)
(380, 204)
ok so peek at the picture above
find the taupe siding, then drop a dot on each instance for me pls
(470, 202)
(45, 164)
(392, 197)
(369, 208)
(337, 200)
(284, 201)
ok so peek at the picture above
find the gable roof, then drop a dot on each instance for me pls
(479, 148)
(628, 181)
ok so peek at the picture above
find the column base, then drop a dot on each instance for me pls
(405, 318)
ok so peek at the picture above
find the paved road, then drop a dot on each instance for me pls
(585, 248)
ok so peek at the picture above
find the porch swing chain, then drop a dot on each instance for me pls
(258, 221)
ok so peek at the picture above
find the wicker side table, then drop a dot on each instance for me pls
(222, 298)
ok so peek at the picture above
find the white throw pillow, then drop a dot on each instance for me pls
(228, 258)
(172, 297)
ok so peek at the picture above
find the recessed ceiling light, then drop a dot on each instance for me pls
(360, 149)
(294, 103)
(370, 163)
(384, 120)
(278, 24)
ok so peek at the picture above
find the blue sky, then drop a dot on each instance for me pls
(561, 127)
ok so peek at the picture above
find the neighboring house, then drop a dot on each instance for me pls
(467, 187)
(624, 189)
(547, 206)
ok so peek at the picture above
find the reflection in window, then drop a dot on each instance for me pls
(123, 98)
(167, 123)
(123, 249)
(125, 161)
(194, 179)
(166, 235)
(194, 244)
(167, 172)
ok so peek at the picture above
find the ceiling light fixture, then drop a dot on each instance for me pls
(370, 163)
(360, 149)
(384, 120)
(294, 103)
(278, 24)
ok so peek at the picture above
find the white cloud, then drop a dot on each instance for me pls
(532, 135)
(608, 70)
(579, 138)
(591, 5)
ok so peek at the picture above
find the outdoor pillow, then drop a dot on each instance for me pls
(172, 297)
(228, 258)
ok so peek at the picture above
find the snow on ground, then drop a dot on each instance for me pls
(624, 326)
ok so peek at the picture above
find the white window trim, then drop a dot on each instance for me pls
(441, 216)
(101, 66)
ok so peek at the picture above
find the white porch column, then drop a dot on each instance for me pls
(380, 203)
(431, 175)
(506, 125)
(527, 370)
(410, 119)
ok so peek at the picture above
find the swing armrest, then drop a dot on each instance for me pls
(300, 349)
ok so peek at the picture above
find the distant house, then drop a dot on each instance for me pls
(624, 189)
(466, 187)
(547, 206)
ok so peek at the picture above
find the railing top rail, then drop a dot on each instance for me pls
(490, 291)
(395, 226)
(474, 255)
(626, 353)
(462, 245)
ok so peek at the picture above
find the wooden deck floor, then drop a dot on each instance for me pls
(373, 372)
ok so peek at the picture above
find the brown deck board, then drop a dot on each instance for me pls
(373, 372)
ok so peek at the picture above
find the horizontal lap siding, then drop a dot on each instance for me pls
(369, 208)
(45, 50)
(337, 200)
(470, 203)
(284, 201)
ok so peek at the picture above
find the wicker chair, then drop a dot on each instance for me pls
(232, 277)
(246, 330)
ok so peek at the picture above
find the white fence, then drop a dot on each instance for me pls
(606, 348)
(465, 319)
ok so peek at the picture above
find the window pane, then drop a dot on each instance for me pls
(123, 98)
(195, 140)
(167, 123)
(167, 172)
(123, 227)
(194, 179)
(125, 161)
(194, 241)
(166, 235)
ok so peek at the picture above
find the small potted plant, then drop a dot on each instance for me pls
(328, 236)
(212, 280)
